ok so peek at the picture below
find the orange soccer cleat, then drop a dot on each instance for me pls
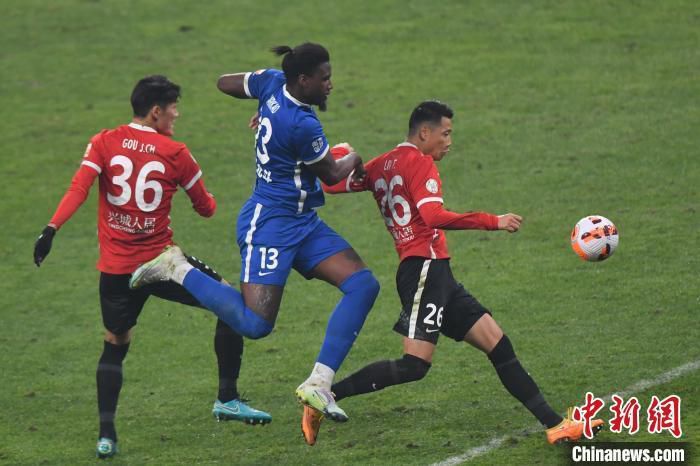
(311, 424)
(570, 430)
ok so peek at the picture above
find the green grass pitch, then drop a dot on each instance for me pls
(563, 109)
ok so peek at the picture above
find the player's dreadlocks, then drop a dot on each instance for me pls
(302, 59)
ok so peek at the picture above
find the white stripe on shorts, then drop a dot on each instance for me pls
(417, 298)
(249, 242)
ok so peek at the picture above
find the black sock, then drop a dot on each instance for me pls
(519, 383)
(109, 383)
(229, 349)
(381, 374)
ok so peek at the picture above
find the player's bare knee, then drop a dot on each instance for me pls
(118, 339)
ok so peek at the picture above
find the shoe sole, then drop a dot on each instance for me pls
(567, 439)
(246, 420)
(337, 417)
(312, 442)
(138, 275)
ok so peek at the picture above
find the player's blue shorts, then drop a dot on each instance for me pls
(273, 241)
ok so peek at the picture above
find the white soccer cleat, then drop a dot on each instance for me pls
(160, 269)
(321, 399)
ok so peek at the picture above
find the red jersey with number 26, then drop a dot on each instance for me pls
(407, 187)
(139, 171)
(402, 180)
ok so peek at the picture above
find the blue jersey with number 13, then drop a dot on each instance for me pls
(289, 138)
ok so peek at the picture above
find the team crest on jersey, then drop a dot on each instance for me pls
(272, 104)
(317, 145)
(431, 185)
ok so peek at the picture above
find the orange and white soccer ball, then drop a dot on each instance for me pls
(594, 238)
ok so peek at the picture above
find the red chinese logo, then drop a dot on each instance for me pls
(625, 415)
(587, 412)
(665, 415)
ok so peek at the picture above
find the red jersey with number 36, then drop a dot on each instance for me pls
(139, 171)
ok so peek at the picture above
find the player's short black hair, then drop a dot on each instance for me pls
(430, 111)
(153, 90)
(302, 59)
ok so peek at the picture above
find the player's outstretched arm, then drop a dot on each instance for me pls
(509, 222)
(436, 216)
(233, 85)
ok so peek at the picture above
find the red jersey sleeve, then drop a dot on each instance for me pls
(347, 185)
(78, 191)
(190, 178)
(435, 216)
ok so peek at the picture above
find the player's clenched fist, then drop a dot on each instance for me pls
(509, 222)
(42, 246)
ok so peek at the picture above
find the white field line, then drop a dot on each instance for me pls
(640, 386)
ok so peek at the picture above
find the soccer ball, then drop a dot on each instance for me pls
(594, 238)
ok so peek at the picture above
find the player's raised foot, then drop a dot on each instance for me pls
(238, 410)
(159, 269)
(321, 399)
(570, 430)
(310, 424)
(106, 448)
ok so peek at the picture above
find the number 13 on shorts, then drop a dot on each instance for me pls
(268, 259)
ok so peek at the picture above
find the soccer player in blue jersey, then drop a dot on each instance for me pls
(278, 227)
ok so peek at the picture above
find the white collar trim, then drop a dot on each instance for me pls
(142, 127)
(407, 144)
(291, 97)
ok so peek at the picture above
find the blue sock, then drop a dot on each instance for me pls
(360, 290)
(227, 303)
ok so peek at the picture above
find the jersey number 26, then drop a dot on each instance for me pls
(392, 200)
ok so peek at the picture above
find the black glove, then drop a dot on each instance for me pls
(42, 247)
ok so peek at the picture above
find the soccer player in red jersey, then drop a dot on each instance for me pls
(140, 168)
(406, 185)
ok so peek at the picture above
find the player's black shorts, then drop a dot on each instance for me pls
(432, 302)
(121, 305)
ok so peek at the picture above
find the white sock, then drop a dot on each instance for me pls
(322, 376)
(180, 271)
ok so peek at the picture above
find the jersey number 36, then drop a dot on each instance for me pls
(142, 185)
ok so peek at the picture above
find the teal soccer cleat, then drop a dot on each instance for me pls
(106, 448)
(237, 410)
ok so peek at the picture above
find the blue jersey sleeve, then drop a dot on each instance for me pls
(309, 141)
(256, 83)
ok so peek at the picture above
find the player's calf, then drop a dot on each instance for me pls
(381, 374)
